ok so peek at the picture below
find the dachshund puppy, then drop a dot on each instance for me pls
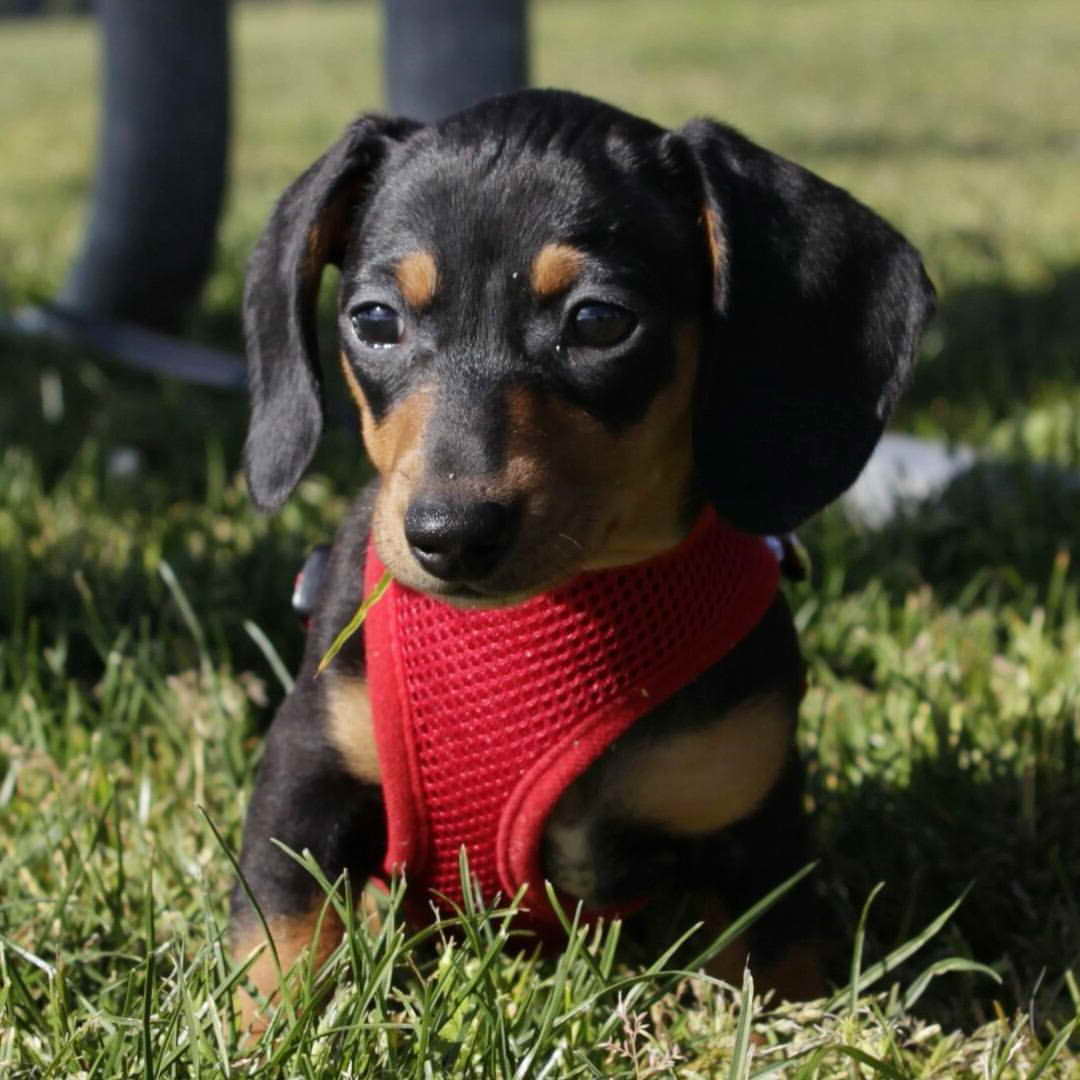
(595, 362)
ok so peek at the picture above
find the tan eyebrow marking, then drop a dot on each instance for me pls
(555, 269)
(417, 278)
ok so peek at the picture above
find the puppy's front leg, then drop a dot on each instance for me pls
(697, 810)
(309, 794)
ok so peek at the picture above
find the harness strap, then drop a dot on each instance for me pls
(483, 717)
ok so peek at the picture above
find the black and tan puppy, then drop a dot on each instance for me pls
(568, 331)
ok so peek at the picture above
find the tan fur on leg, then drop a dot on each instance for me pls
(317, 930)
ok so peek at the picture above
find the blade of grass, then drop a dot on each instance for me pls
(857, 948)
(272, 656)
(1049, 1055)
(941, 967)
(148, 988)
(897, 956)
(184, 606)
(1008, 1050)
(742, 1052)
(882, 1068)
(248, 893)
(355, 622)
(743, 923)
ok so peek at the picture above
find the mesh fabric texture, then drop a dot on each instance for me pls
(482, 718)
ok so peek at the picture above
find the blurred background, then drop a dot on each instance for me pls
(942, 723)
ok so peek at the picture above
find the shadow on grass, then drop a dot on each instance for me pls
(1011, 841)
(997, 531)
(106, 472)
(998, 348)
(1000, 531)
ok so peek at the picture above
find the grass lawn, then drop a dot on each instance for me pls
(942, 727)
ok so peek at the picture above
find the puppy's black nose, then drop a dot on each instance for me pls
(459, 541)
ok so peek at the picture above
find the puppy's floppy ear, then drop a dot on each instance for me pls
(818, 306)
(307, 229)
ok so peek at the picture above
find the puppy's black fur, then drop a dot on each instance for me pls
(566, 330)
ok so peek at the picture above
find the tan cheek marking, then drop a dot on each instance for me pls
(700, 781)
(553, 447)
(355, 392)
(550, 440)
(555, 269)
(655, 461)
(395, 447)
(398, 433)
(634, 486)
(292, 934)
(350, 727)
(417, 277)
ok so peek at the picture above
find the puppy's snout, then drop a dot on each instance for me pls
(460, 541)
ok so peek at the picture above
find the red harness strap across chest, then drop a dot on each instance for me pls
(482, 718)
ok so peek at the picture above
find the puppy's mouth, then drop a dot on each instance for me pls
(545, 548)
(527, 569)
(537, 561)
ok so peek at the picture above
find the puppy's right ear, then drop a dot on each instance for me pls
(308, 228)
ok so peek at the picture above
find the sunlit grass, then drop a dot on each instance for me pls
(943, 718)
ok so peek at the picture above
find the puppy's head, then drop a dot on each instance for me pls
(566, 329)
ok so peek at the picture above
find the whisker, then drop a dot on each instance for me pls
(570, 539)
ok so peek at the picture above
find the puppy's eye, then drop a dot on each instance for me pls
(377, 325)
(600, 325)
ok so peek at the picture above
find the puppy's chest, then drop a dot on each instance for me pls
(682, 772)
(483, 719)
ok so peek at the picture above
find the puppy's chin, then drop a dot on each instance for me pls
(466, 598)
(504, 587)
(479, 595)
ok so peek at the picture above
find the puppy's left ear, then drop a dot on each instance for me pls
(818, 306)
(308, 228)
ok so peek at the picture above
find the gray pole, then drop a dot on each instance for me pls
(162, 152)
(443, 55)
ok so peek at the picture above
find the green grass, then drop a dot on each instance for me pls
(943, 721)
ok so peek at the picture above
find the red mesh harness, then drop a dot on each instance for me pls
(482, 718)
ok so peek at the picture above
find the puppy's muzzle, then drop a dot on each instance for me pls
(457, 540)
